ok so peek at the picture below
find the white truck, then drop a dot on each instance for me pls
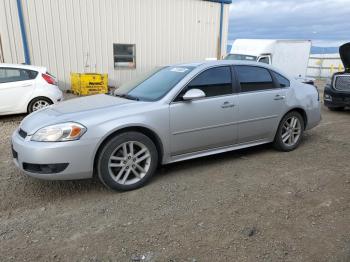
(290, 56)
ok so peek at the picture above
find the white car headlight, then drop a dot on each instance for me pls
(59, 133)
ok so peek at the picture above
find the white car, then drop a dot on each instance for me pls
(25, 89)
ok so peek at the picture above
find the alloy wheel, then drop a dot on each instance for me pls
(39, 105)
(129, 162)
(291, 131)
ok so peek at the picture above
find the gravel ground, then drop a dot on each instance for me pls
(249, 205)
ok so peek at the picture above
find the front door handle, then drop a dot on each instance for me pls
(227, 104)
(279, 97)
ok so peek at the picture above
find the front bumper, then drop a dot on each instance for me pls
(78, 155)
(333, 98)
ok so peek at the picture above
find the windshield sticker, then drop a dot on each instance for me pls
(179, 69)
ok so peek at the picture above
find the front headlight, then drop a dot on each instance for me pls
(59, 133)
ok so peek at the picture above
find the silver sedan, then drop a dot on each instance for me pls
(171, 114)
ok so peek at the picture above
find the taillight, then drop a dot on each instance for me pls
(49, 79)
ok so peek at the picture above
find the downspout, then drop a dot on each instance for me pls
(221, 25)
(23, 32)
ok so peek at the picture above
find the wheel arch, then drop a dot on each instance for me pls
(141, 129)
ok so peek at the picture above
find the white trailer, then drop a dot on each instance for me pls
(290, 56)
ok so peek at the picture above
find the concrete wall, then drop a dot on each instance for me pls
(78, 35)
(324, 65)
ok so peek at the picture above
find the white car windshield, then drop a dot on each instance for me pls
(241, 57)
(153, 85)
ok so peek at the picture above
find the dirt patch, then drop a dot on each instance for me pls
(249, 205)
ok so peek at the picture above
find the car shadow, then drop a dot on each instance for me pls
(220, 158)
(346, 110)
(225, 157)
(12, 118)
(51, 190)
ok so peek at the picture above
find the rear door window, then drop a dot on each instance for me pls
(254, 78)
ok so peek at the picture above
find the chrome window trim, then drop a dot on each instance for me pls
(263, 90)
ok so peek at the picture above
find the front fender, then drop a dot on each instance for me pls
(156, 122)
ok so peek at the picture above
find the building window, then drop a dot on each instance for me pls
(124, 55)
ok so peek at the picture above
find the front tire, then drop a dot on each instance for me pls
(127, 161)
(290, 132)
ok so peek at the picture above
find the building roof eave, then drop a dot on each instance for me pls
(221, 1)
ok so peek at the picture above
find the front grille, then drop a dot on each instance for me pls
(342, 82)
(22, 133)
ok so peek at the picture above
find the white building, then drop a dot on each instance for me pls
(324, 65)
(118, 37)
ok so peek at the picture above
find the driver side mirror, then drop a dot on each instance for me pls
(193, 94)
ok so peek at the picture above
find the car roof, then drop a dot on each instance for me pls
(29, 67)
(223, 62)
(207, 64)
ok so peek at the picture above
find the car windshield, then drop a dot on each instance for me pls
(241, 57)
(153, 85)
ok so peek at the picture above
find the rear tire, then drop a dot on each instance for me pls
(127, 161)
(289, 132)
(38, 103)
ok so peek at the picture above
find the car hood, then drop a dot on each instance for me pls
(76, 110)
(344, 52)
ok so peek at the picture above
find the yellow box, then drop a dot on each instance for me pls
(89, 84)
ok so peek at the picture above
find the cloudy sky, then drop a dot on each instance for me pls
(325, 21)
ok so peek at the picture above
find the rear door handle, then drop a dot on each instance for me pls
(279, 97)
(227, 104)
(27, 85)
